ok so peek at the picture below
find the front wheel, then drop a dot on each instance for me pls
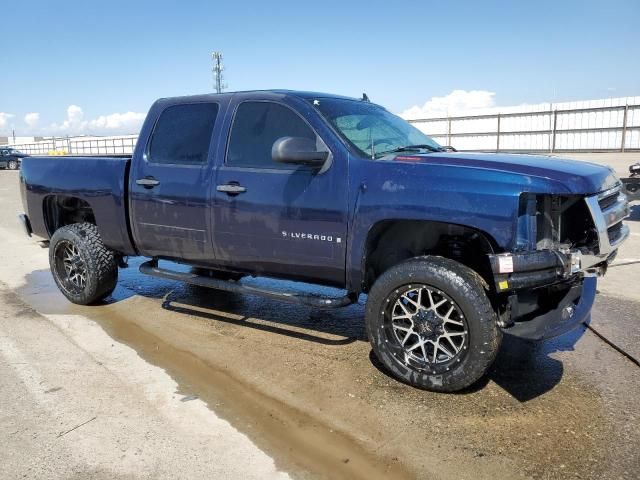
(432, 325)
(84, 269)
(12, 165)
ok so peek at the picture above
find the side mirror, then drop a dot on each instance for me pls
(298, 151)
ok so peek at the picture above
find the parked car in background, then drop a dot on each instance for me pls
(632, 183)
(10, 158)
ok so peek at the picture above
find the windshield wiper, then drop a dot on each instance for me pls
(431, 148)
(411, 148)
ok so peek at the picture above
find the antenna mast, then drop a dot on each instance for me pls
(217, 69)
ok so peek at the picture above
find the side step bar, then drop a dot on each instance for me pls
(151, 268)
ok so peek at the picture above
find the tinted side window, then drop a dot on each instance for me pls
(183, 133)
(256, 126)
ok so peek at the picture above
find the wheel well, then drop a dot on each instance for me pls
(391, 241)
(61, 210)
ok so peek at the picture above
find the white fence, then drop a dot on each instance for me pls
(116, 145)
(591, 126)
(592, 129)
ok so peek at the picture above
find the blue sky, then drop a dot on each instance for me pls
(114, 57)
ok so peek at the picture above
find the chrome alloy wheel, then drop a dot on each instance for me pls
(427, 327)
(70, 267)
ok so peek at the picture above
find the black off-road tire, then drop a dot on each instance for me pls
(459, 284)
(99, 263)
(12, 165)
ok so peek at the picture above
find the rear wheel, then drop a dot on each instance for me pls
(12, 165)
(431, 324)
(84, 269)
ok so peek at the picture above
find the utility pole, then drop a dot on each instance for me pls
(217, 69)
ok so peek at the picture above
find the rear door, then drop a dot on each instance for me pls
(169, 186)
(278, 219)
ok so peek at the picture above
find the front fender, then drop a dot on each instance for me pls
(399, 191)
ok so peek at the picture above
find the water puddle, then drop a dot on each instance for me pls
(298, 442)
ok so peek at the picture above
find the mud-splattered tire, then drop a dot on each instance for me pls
(473, 331)
(84, 269)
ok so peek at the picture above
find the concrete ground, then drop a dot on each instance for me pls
(618, 161)
(170, 381)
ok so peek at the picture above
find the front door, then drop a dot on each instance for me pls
(278, 219)
(169, 186)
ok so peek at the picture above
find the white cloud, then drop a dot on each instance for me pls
(73, 124)
(458, 102)
(4, 119)
(32, 119)
(111, 124)
(74, 114)
(128, 122)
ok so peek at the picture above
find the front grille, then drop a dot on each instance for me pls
(614, 232)
(609, 199)
(608, 209)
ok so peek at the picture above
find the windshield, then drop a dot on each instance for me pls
(371, 129)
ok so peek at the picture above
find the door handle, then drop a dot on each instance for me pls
(148, 182)
(231, 188)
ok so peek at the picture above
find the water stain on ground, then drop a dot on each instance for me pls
(304, 386)
(296, 440)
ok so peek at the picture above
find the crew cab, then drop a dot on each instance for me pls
(452, 249)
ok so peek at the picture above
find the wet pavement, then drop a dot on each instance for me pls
(303, 385)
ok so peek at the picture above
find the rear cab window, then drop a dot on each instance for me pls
(182, 134)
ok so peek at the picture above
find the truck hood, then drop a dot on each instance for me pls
(575, 176)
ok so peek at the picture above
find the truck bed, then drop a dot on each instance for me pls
(99, 180)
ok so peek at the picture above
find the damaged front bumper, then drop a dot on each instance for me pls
(550, 292)
(523, 270)
(573, 310)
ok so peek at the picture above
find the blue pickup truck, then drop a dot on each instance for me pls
(453, 249)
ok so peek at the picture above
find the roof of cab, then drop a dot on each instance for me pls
(254, 94)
